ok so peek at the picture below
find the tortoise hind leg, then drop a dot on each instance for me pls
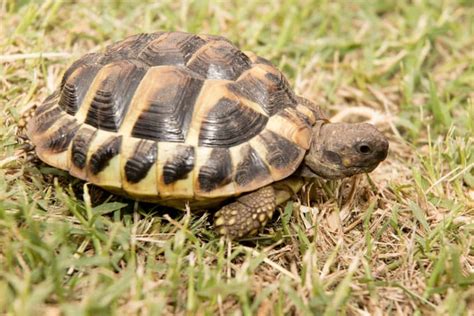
(247, 214)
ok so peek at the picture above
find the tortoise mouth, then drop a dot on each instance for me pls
(334, 172)
(346, 165)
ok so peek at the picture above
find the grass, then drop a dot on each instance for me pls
(402, 244)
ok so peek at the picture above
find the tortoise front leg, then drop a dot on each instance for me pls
(247, 214)
(250, 212)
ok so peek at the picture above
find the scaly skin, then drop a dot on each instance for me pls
(247, 214)
(250, 212)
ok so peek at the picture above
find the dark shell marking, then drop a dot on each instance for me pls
(179, 165)
(142, 160)
(217, 171)
(86, 60)
(219, 60)
(80, 146)
(298, 118)
(101, 157)
(170, 109)
(129, 48)
(272, 93)
(113, 96)
(230, 123)
(75, 88)
(46, 114)
(171, 49)
(47, 104)
(59, 140)
(280, 151)
(251, 167)
(47, 119)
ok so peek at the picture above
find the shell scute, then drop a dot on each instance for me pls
(110, 94)
(90, 59)
(166, 107)
(75, 87)
(80, 147)
(103, 166)
(251, 167)
(99, 160)
(138, 164)
(129, 48)
(217, 171)
(179, 165)
(171, 49)
(175, 171)
(266, 87)
(229, 123)
(280, 151)
(219, 60)
(59, 140)
(143, 158)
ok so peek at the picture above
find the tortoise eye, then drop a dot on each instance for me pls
(364, 148)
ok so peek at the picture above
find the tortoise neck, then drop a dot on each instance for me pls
(304, 170)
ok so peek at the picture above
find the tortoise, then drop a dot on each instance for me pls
(191, 120)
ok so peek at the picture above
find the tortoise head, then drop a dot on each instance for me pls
(341, 150)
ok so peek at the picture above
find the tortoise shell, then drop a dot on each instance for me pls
(174, 116)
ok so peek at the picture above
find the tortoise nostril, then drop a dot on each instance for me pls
(364, 149)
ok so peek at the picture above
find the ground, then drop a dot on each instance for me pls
(400, 243)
